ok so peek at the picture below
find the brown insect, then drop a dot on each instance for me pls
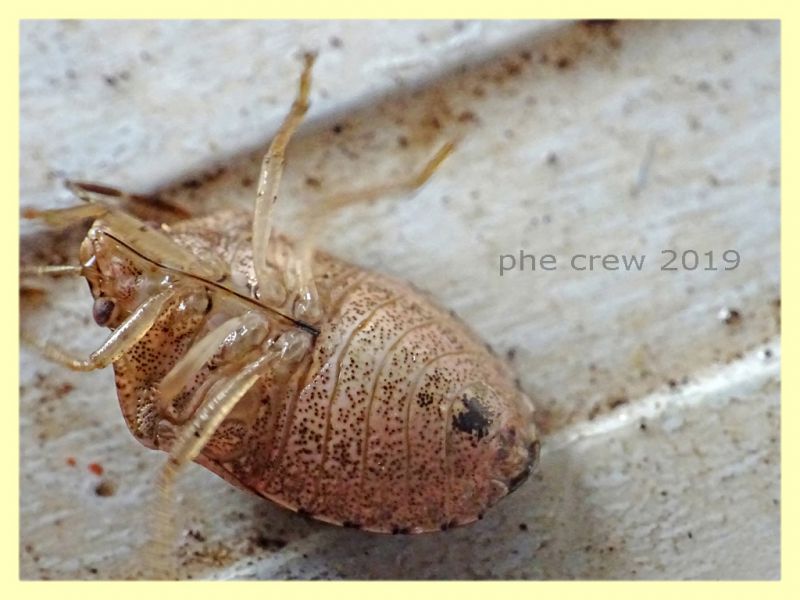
(334, 391)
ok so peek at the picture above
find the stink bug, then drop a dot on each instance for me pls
(334, 391)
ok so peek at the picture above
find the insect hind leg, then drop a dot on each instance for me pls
(299, 278)
(407, 184)
(188, 444)
(190, 440)
(300, 270)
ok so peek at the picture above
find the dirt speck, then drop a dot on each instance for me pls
(196, 535)
(266, 542)
(30, 297)
(729, 316)
(63, 389)
(607, 28)
(544, 420)
(616, 401)
(114, 79)
(105, 488)
(599, 24)
(215, 555)
(563, 62)
(467, 116)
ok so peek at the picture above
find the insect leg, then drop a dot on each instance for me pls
(403, 185)
(300, 269)
(152, 208)
(64, 217)
(232, 337)
(192, 438)
(269, 180)
(89, 193)
(300, 281)
(120, 341)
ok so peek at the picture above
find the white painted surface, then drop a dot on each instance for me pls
(661, 454)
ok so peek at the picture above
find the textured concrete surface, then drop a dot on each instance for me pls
(657, 391)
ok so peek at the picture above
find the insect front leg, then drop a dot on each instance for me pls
(124, 337)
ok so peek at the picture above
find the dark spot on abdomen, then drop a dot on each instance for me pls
(473, 419)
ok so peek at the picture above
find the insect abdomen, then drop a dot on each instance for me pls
(370, 440)
(399, 419)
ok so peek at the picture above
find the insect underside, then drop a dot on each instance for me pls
(333, 391)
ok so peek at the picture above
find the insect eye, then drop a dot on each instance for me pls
(103, 309)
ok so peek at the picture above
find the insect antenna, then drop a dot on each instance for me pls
(151, 206)
(51, 270)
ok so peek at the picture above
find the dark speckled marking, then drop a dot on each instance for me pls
(473, 419)
(383, 444)
(424, 399)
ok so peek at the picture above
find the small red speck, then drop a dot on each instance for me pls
(71, 461)
(96, 468)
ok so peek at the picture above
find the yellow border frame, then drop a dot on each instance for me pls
(790, 219)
